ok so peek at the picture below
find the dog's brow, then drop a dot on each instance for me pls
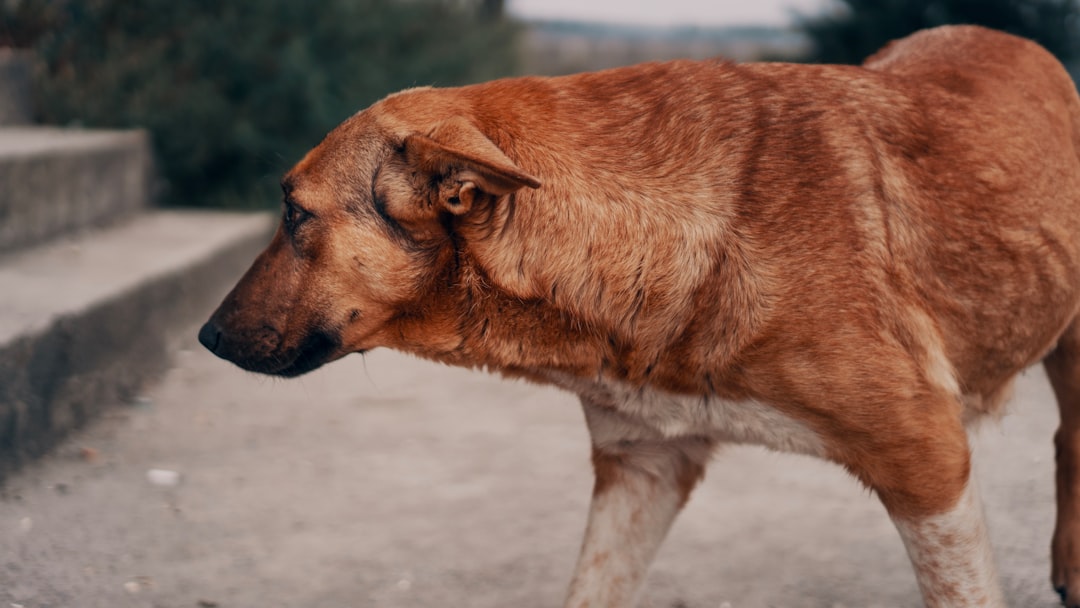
(287, 185)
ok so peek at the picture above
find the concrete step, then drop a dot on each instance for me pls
(16, 82)
(56, 181)
(86, 320)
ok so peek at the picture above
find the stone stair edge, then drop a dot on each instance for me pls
(56, 375)
(80, 269)
(58, 181)
(29, 140)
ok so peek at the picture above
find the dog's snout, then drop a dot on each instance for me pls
(210, 336)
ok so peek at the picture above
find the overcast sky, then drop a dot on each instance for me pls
(667, 12)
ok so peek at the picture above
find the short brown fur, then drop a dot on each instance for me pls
(873, 251)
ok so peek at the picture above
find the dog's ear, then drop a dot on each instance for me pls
(462, 164)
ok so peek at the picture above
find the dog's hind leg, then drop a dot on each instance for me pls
(642, 482)
(1063, 368)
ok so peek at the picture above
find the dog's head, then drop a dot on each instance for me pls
(366, 232)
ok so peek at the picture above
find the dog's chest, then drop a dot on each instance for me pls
(619, 411)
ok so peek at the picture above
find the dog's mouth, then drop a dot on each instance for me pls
(317, 349)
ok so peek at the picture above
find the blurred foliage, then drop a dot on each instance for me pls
(860, 27)
(235, 91)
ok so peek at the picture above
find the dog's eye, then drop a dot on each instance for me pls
(293, 215)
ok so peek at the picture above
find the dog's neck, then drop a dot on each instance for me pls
(526, 301)
(593, 273)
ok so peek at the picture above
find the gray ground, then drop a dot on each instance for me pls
(394, 482)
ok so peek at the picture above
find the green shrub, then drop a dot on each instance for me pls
(234, 91)
(854, 29)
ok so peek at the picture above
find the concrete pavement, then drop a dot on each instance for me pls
(387, 481)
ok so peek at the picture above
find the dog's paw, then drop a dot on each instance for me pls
(1065, 571)
(1069, 599)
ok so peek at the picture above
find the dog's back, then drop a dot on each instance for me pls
(931, 196)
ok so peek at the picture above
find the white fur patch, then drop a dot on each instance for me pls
(952, 557)
(648, 413)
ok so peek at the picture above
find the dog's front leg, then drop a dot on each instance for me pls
(920, 465)
(642, 481)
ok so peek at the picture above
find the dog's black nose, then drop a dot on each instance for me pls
(210, 336)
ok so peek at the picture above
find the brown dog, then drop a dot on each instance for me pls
(849, 262)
